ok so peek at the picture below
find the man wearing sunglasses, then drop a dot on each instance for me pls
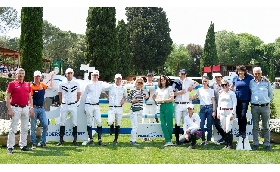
(69, 93)
(217, 88)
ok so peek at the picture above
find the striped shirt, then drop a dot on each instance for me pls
(139, 94)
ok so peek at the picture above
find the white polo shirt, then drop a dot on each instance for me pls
(69, 90)
(116, 94)
(186, 83)
(92, 92)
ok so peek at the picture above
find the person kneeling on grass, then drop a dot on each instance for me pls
(191, 127)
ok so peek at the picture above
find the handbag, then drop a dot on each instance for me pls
(135, 109)
(198, 133)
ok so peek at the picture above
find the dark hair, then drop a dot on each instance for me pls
(242, 68)
(206, 77)
(167, 81)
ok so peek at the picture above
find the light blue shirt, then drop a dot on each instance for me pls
(261, 92)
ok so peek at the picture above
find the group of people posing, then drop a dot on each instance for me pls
(219, 104)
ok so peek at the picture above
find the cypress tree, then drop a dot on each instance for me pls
(31, 40)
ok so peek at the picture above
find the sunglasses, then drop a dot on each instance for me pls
(139, 82)
(69, 72)
(224, 85)
(205, 81)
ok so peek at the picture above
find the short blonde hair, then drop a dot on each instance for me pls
(137, 79)
(225, 81)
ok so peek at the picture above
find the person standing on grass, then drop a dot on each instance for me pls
(38, 90)
(226, 111)
(191, 127)
(116, 97)
(69, 93)
(207, 108)
(217, 88)
(136, 97)
(181, 88)
(165, 97)
(20, 106)
(260, 107)
(92, 110)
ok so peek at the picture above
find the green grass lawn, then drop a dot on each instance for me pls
(147, 153)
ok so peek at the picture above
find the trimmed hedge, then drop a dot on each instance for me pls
(4, 83)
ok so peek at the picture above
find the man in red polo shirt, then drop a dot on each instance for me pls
(17, 99)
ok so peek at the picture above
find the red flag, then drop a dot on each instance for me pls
(216, 68)
(207, 69)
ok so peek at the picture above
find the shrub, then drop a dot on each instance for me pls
(2, 95)
(4, 83)
(273, 112)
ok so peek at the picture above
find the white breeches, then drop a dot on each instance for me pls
(68, 109)
(226, 123)
(115, 113)
(180, 113)
(93, 112)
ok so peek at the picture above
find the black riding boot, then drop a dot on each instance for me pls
(230, 139)
(117, 131)
(75, 133)
(61, 134)
(226, 141)
(111, 130)
(177, 133)
(99, 131)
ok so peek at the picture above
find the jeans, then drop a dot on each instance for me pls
(241, 111)
(41, 115)
(206, 113)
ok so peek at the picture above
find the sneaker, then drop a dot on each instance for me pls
(226, 147)
(222, 140)
(144, 139)
(255, 147)
(169, 144)
(178, 143)
(229, 147)
(115, 143)
(191, 147)
(268, 148)
(134, 143)
(60, 143)
(150, 139)
(10, 151)
(33, 146)
(91, 143)
(202, 143)
(25, 148)
(43, 145)
(101, 143)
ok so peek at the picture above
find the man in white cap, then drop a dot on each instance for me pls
(92, 110)
(38, 90)
(117, 97)
(181, 88)
(217, 87)
(69, 94)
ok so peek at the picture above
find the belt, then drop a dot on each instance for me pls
(38, 106)
(149, 104)
(15, 105)
(115, 106)
(69, 103)
(226, 108)
(92, 104)
(260, 105)
(182, 102)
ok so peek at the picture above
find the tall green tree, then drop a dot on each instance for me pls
(177, 59)
(8, 19)
(101, 42)
(31, 40)
(209, 55)
(195, 53)
(124, 56)
(149, 35)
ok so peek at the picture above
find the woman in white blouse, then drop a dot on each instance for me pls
(191, 127)
(226, 111)
(165, 97)
(207, 108)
